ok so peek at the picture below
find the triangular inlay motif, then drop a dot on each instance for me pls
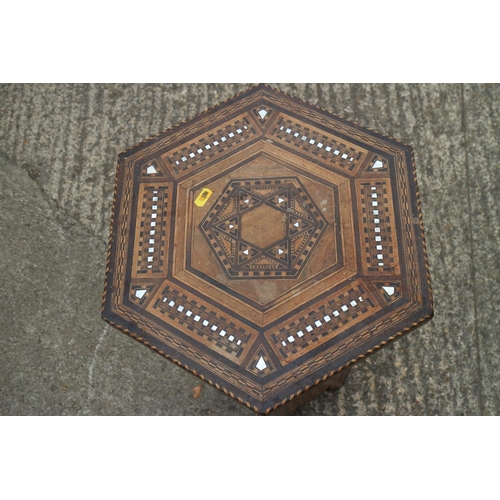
(140, 293)
(377, 164)
(262, 114)
(261, 363)
(281, 252)
(280, 200)
(245, 252)
(246, 201)
(390, 291)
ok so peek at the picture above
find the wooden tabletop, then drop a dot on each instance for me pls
(266, 245)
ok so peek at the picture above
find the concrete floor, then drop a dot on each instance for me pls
(58, 148)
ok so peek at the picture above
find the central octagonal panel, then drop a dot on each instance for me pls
(263, 228)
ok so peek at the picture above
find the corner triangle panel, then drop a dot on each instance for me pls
(297, 225)
(227, 245)
(280, 200)
(151, 170)
(263, 262)
(296, 204)
(230, 226)
(246, 201)
(140, 292)
(377, 164)
(229, 209)
(262, 114)
(299, 242)
(245, 252)
(261, 363)
(390, 290)
(264, 190)
(281, 253)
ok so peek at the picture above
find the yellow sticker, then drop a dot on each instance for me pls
(203, 197)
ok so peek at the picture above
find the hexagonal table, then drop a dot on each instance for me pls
(266, 245)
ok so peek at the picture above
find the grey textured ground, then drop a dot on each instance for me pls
(58, 148)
